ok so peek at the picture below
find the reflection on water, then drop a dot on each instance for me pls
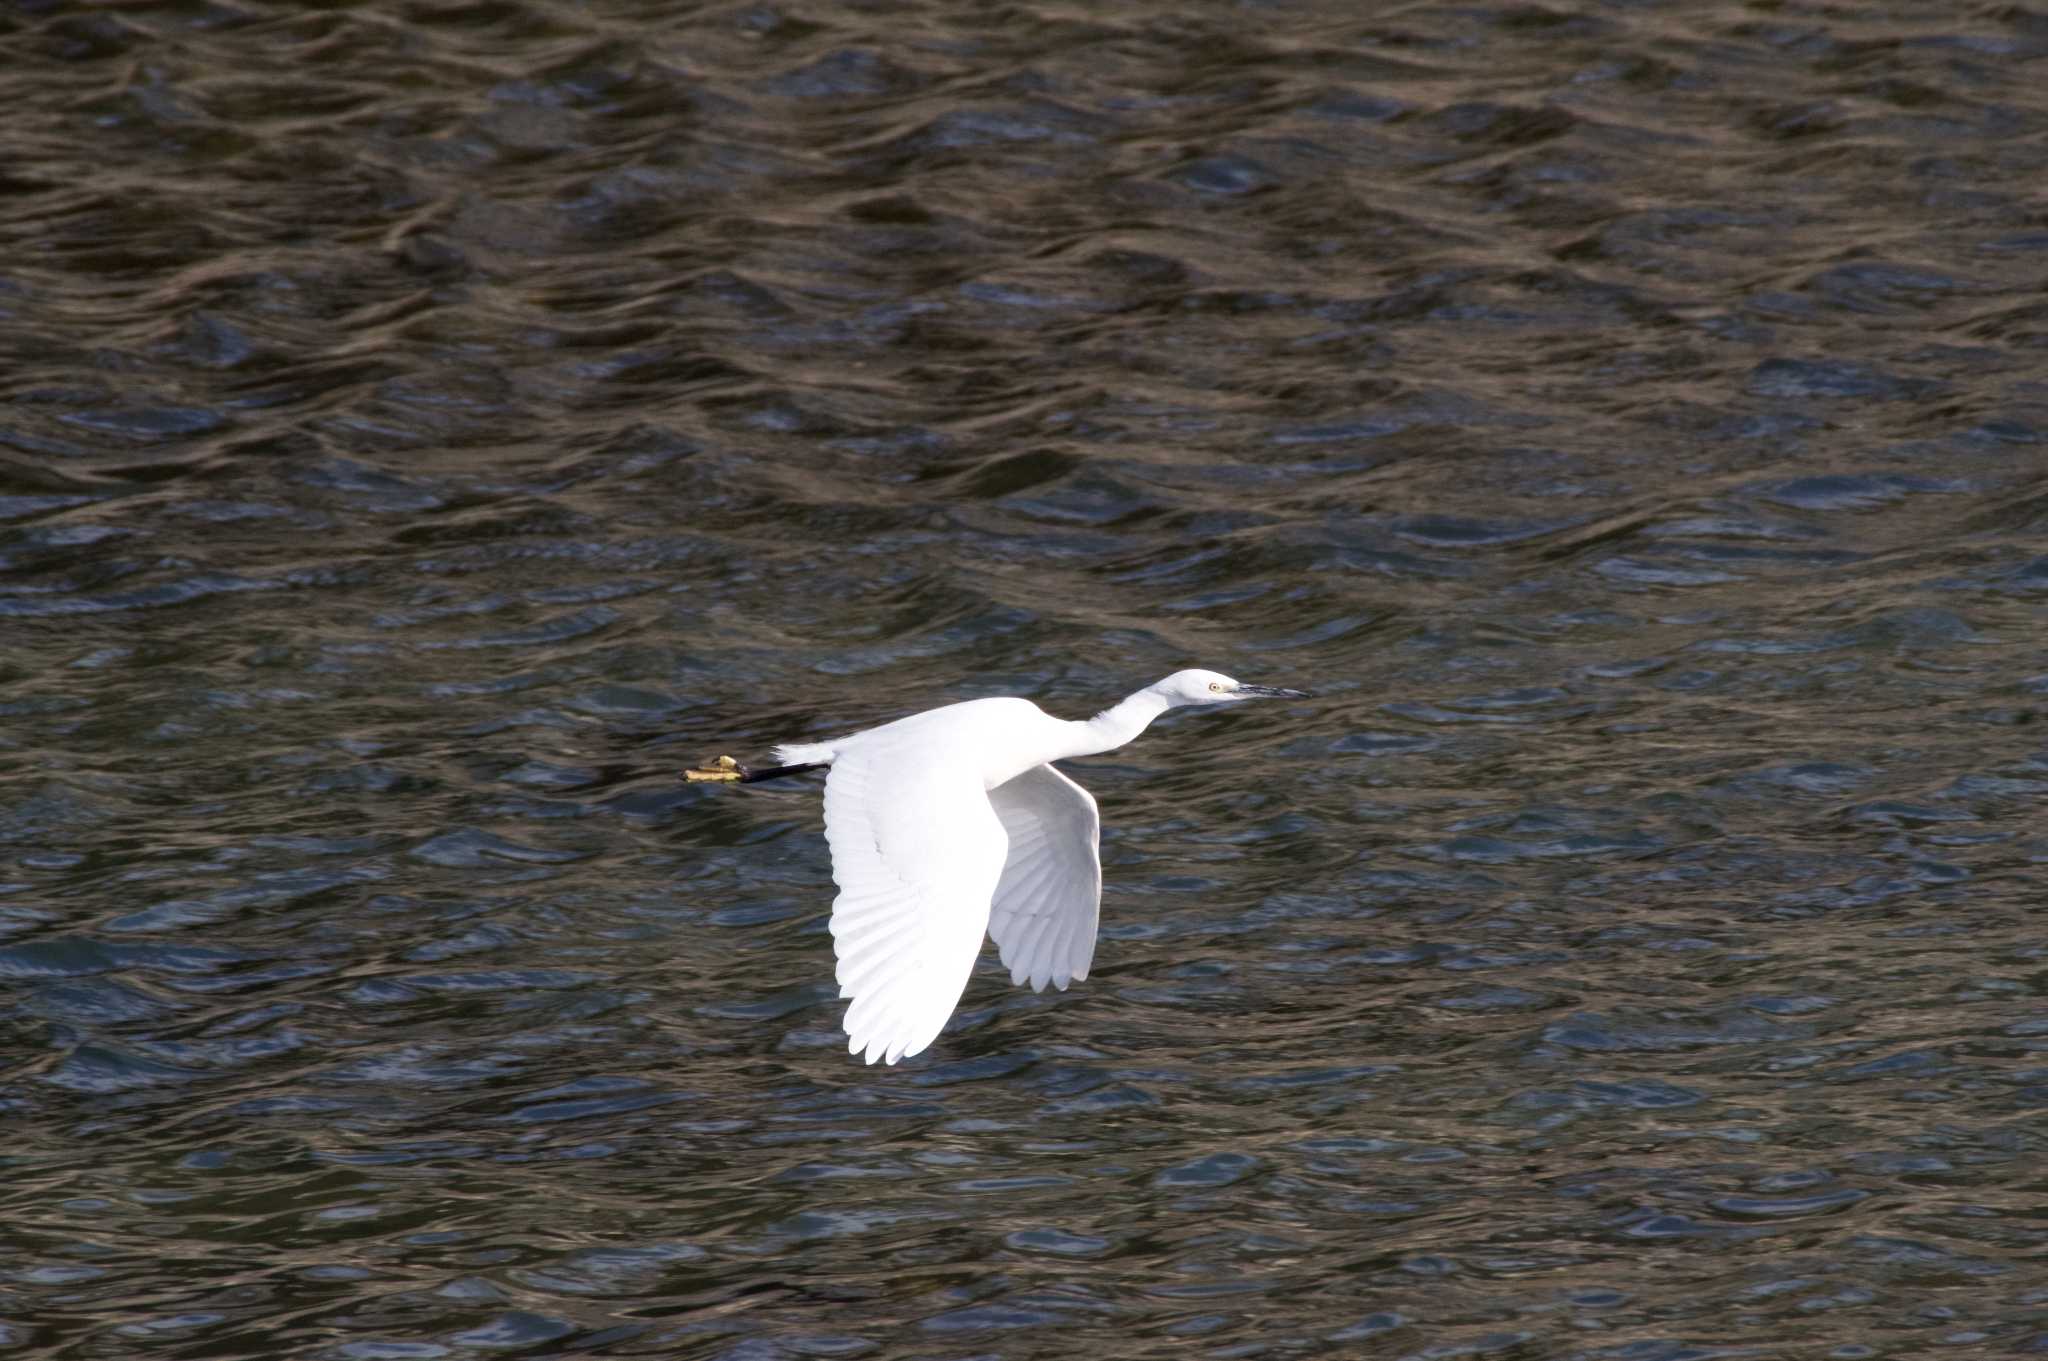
(425, 429)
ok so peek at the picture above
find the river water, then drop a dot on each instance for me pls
(425, 428)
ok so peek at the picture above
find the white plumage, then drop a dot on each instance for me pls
(950, 824)
(1046, 904)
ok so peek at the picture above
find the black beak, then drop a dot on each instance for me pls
(1272, 692)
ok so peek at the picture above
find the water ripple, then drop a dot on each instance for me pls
(426, 430)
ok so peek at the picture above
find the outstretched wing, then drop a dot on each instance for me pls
(1050, 895)
(916, 852)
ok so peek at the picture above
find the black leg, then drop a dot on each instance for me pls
(777, 772)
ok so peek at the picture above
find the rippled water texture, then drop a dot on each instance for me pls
(425, 428)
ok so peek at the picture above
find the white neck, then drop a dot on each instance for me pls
(1115, 726)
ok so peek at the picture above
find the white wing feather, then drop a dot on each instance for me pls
(1050, 895)
(916, 852)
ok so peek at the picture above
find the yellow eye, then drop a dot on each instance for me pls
(1217, 686)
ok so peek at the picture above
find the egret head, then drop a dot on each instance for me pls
(1209, 687)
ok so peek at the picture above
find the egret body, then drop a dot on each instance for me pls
(953, 823)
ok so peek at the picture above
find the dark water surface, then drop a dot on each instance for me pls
(424, 428)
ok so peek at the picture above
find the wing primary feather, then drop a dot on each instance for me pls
(917, 851)
(1046, 905)
(926, 861)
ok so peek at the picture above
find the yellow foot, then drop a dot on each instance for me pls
(724, 768)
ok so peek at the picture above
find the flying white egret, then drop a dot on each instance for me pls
(951, 823)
